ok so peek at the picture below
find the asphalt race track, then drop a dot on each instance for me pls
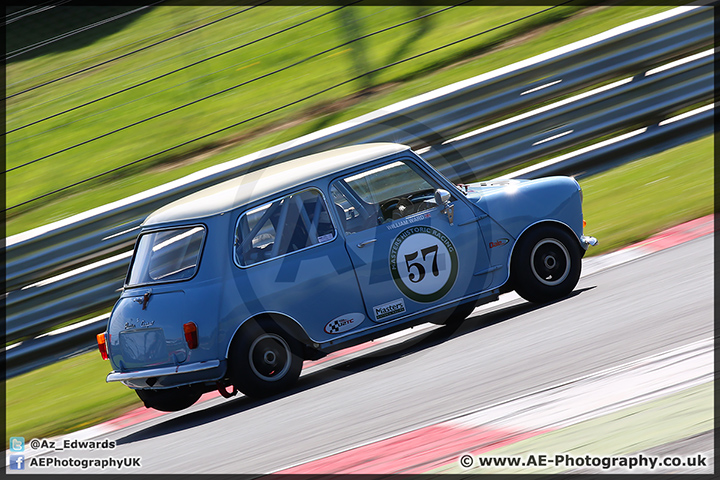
(627, 312)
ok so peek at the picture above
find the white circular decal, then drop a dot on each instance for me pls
(423, 263)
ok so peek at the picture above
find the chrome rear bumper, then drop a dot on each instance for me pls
(168, 377)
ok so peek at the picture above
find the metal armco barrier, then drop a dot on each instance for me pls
(629, 78)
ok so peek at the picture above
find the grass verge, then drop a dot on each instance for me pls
(63, 397)
(623, 205)
(501, 48)
(625, 432)
(634, 201)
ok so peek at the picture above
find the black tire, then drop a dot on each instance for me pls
(171, 399)
(264, 359)
(546, 264)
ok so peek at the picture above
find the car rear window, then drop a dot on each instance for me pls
(166, 256)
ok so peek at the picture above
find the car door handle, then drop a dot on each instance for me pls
(366, 242)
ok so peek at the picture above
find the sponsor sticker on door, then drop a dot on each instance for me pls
(343, 323)
(390, 309)
(499, 243)
(423, 263)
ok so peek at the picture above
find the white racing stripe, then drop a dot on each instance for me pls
(601, 392)
(582, 398)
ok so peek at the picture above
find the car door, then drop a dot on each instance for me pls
(408, 256)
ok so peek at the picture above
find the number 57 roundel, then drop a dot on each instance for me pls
(424, 263)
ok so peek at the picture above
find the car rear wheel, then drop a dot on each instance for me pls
(171, 399)
(546, 264)
(264, 359)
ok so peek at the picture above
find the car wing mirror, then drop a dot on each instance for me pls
(442, 198)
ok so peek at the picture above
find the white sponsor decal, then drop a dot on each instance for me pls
(389, 309)
(408, 220)
(343, 323)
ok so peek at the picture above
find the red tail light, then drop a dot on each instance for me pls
(191, 337)
(101, 345)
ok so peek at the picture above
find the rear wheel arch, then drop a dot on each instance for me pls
(265, 355)
(287, 323)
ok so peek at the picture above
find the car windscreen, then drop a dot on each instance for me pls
(166, 256)
(385, 182)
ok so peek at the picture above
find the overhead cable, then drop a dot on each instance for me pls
(130, 53)
(242, 84)
(145, 82)
(63, 36)
(370, 72)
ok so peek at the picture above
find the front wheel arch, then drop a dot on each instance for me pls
(562, 242)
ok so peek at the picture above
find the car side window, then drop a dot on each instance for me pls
(382, 195)
(286, 225)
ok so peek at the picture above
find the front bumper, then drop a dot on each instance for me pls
(169, 377)
(590, 241)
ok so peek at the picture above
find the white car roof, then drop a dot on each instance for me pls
(256, 185)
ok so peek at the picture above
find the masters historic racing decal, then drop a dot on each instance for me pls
(389, 309)
(343, 323)
(423, 263)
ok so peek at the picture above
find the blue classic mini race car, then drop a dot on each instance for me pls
(234, 286)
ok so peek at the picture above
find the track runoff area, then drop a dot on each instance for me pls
(512, 436)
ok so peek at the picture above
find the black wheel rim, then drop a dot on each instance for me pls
(550, 262)
(270, 357)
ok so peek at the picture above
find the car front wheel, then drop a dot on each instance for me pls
(264, 359)
(546, 264)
